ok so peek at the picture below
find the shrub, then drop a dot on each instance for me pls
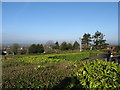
(98, 74)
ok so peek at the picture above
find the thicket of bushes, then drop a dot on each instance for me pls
(97, 74)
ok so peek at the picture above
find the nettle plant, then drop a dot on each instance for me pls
(99, 74)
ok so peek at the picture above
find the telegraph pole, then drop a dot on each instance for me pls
(80, 44)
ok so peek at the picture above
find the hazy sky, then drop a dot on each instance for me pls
(25, 22)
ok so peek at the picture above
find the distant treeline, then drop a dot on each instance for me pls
(88, 42)
(49, 47)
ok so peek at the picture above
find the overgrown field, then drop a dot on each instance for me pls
(66, 70)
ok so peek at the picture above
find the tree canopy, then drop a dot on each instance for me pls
(56, 46)
(86, 39)
(76, 45)
(98, 40)
(33, 49)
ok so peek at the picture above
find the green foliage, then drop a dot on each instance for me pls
(56, 46)
(86, 39)
(99, 41)
(33, 49)
(41, 71)
(69, 46)
(99, 74)
(35, 78)
(63, 46)
(117, 48)
(73, 56)
(33, 71)
(41, 49)
(76, 45)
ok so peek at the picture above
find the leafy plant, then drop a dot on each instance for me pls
(99, 74)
